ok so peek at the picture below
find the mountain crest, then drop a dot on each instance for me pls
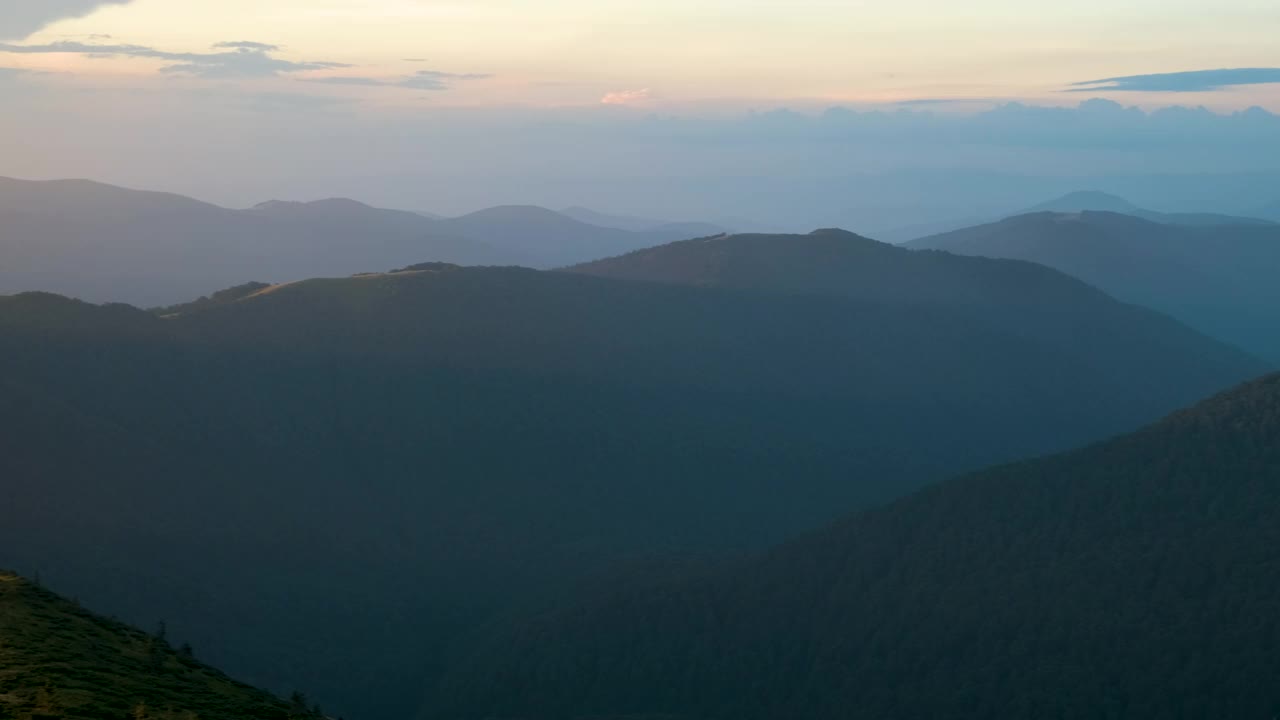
(1086, 200)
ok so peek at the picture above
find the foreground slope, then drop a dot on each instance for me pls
(58, 660)
(391, 460)
(1220, 279)
(1133, 579)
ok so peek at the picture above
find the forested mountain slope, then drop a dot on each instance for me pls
(1132, 579)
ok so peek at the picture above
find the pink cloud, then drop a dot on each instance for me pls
(627, 97)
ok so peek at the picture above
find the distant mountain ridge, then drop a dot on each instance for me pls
(637, 224)
(1095, 201)
(105, 243)
(550, 237)
(1076, 202)
(1218, 279)
(1131, 579)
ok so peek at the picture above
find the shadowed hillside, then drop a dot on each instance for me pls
(1220, 280)
(1131, 579)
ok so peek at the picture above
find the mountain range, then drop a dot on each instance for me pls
(639, 224)
(1076, 202)
(1220, 279)
(103, 243)
(1095, 201)
(1134, 578)
(337, 483)
(58, 660)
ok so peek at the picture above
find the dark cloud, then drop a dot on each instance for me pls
(421, 80)
(21, 18)
(1192, 81)
(235, 59)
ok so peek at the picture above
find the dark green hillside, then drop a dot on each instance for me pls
(222, 297)
(58, 660)
(1134, 579)
(390, 461)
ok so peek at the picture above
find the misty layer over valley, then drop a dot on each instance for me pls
(598, 360)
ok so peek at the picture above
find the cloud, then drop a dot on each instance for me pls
(626, 97)
(348, 80)
(235, 59)
(436, 80)
(1192, 81)
(22, 18)
(421, 80)
(247, 45)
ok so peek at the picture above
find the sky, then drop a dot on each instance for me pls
(451, 104)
